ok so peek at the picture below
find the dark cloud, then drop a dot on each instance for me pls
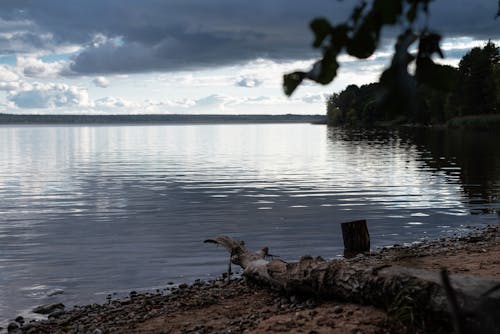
(155, 35)
(473, 18)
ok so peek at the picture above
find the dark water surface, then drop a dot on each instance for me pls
(94, 210)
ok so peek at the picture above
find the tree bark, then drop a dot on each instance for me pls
(384, 286)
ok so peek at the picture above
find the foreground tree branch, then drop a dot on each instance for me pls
(385, 286)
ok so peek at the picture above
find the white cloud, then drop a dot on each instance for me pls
(33, 67)
(214, 100)
(114, 102)
(196, 79)
(101, 82)
(7, 74)
(9, 86)
(248, 82)
(49, 96)
(313, 98)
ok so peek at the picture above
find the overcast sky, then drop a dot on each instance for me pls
(190, 56)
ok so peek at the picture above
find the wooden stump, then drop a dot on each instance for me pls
(356, 238)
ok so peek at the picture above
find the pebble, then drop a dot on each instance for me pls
(48, 308)
(311, 303)
(121, 313)
(56, 314)
(12, 327)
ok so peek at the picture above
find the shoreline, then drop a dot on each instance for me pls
(217, 306)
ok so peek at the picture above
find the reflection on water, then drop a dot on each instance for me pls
(96, 210)
(473, 156)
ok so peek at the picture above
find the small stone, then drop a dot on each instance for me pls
(313, 313)
(338, 309)
(311, 303)
(97, 331)
(48, 308)
(12, 327)
(56, 313)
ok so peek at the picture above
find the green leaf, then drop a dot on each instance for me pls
(388, 10)
(339, 37)
(291, 81)
(365, 39)
(328, 68)
(429, 44)
(321, 28)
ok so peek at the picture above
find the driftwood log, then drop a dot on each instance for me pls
(383, 286)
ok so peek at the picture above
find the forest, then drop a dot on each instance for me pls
(464, 97)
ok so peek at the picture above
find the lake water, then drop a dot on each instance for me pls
(94, 210)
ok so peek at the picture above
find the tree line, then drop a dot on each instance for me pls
(469, 93)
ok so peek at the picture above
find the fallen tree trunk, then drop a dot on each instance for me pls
(419, 291)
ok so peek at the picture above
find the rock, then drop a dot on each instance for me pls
(48, 308)
(311, 303)
(97, 331)
(13, 326)
(338, 309)
(56, 313)
(19, 320)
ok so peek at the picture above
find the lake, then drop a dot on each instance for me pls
(94, 210)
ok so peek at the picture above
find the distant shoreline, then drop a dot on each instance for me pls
(158, 119)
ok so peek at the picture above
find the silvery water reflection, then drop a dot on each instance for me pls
(96, 210)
